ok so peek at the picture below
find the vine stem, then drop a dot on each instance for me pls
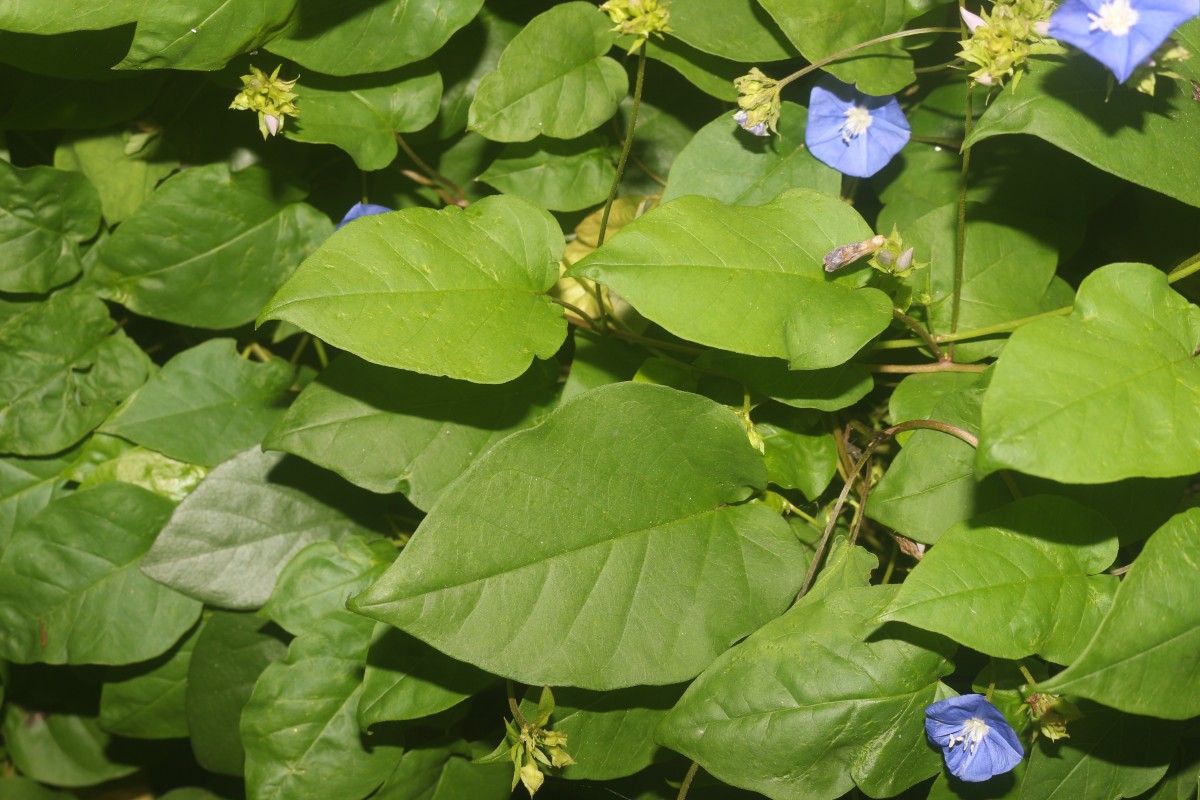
(687, 780)
(925, 335)
(880, 438)
(460, 196)
(975, 333)
(514, 706)
(937, 366)
(960, 236)
(856, 47)
(1189, 266)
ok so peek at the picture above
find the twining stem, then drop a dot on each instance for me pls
(584, 317)
(880, 438)
(960, 234)
(975, 333)
(633, 113)
(1189, 266)
(687, 780)
(514, 706)
(856, 47)
(925, 335)
(937, 366)
(1028, 675)
(459, 194)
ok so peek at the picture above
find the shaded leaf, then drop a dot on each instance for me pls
(202, 35)
(44, 214)
(146, 701)
(559, 175)
(122, 181)
(61, 749)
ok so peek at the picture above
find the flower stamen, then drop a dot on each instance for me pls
(1116, 17)
(858, 119)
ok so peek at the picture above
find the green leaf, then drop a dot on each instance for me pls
(1007, 270)
(61, 749)
(728, 164)
(146, 701)
(609, 734)
(172, 479)
(44, 214)
(122, 181)
(299, 730)
(70, 588)
(822, 389)
(17, 788)
(230, 654)
(437, 773)
(553, 79)
(456, 292)
(635, 567)
(408, 679)
(69, 15)
(799, 455)
(599, 361)
(710, 74)
(208, 248)
(76, 55)
(1018, 581)
(206, 405)
(228, 540)
(27, 485)
(363, 114)
(1126, 133)
(467, 58)
(202, 35)
(931, 485)
(810, 707)
(348, 39)
(388, 430)
(820, 28)
(1108, 754)
(313, 587)
(1182, 776)
(560, 175)
(734, 29)
(1107, 393)
(764, 265)
(65, 368)
(1145, 658)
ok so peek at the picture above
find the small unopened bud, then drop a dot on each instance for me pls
(972, 19)
(904, 260)
(272, 123)
(885, 258)
(1042, 27)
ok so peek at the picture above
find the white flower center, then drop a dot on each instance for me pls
(1116, 17)
(974, 731)
(858, 119)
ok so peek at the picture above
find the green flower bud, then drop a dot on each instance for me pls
(758, 102)
(1145, 77)
(1003, 39)
(638, 18)
(1052, 713)
(272, 98)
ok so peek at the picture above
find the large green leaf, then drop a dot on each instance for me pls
(27, 485)
(352, 39)
(64, 369)
(456, 292)
(62, 749)
(728, 164)
(363, 114)
(1007, 270)
(1018, 581)
(601, 549)
(206, 405)
(1109, 755)
(228, 540)
(1072, 106)
(610, 734)
(209, 248)
(231, 652)
(809, 707)
(70, 588)
(560, 175)
(202, 34)
(823, 389)
(407, 679)
(734, 29)
(436, 772)
(820, 28)
(388, 430)
(553, 79)
(748, 280)
(463, 63)
(299, 730)
(44, 214)
(146, 701)
(68, 15)
(123, 181)
(710, 74)
(1109, 392)
(1145, 658)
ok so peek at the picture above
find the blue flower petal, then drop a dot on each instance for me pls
(862, 155)
(1156, 20)
(361, 210)
(976, 740)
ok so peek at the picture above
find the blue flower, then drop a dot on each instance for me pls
(976, 740)
(854, 133)
(361, 210)
(1121, 34)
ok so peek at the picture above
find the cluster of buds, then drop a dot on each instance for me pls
(271, 97)
(1051, 714)
(1162, 63)
(1003, 40)
(531, 744)
(638, 18)
(758, 102)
